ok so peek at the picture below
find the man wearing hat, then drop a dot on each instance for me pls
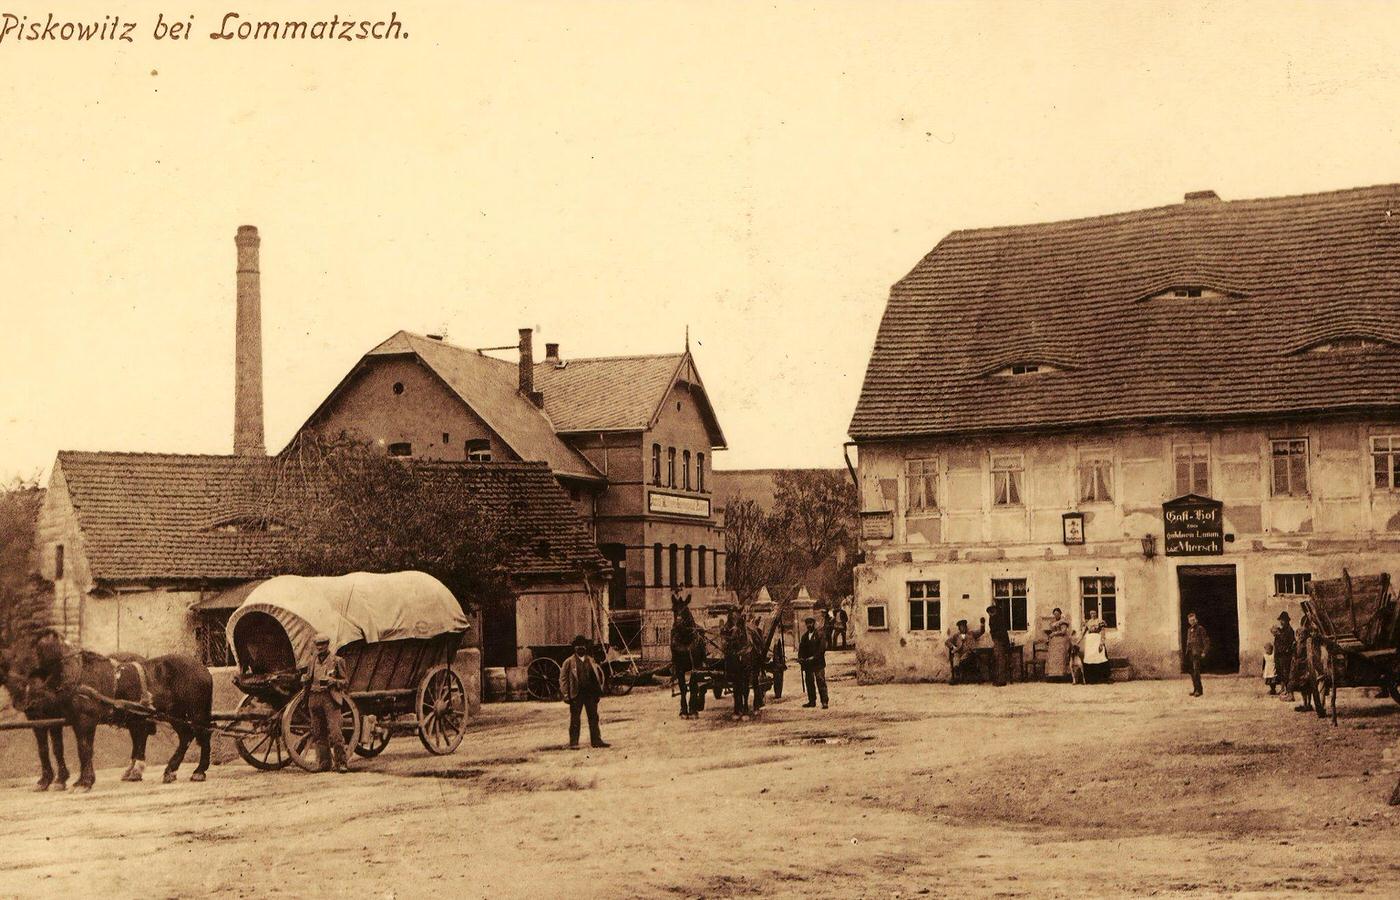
(325, 674)
(581, 683)
(811, 656)
(1285, 640)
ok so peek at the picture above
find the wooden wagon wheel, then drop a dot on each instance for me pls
(542, 679)
(261, 746)
(296, 728)
(620, 677)
(373, 743)
(442, 710)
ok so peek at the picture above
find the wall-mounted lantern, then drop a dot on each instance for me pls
(1149, 546)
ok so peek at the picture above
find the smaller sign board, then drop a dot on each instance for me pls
(877, 525)
(1072, 524)
(1195, 526)
(678, 505)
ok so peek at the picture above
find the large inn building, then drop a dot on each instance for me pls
(1189, 408)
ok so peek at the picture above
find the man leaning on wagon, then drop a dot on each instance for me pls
(324, 675)
(581, 683)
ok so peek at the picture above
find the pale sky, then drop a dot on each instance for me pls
(609, 173)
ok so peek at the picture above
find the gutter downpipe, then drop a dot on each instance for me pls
(846, 454)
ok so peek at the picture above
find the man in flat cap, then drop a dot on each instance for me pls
(324, 676)
(581, 683)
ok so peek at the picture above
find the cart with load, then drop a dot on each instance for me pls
(1358, 623)
(397, 634)
(621, 670)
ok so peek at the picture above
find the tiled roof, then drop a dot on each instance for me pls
(491, 388)
(152, 517)
(618, 393)
(1081, 295)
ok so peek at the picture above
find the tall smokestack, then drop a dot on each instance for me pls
(247, 349)
(527, 368)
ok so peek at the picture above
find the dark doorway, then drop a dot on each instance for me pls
(1209, 592)
(498, 648)
(617, 577)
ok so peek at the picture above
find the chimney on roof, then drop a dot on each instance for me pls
(1202, 197)
(527, 368)
(247, 349)
(551, 353)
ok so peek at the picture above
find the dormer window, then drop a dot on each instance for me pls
(1192, 288)
(1026, 368)
(1348, 344)
(1186, 292)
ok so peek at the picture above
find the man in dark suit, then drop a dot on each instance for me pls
(811, 656)
(1197, 648)
(1001, 644)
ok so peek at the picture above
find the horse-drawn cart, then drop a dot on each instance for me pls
(1357, 620)
(397, 635)
(621, 671)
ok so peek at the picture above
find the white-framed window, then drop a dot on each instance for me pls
(1192, 469)
(1292, 584)
(876, 618)
(1008, 479)
(656, 464)
(670, 466)
(1095, 476)
(700, 472)
(1385, 461)
(478, 450)
(1010, 596)
(920, 486)
(925, 606)
(1098, 594)
(685, 469)
(1289, 458)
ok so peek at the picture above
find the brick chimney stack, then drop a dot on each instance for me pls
(247, 352)
(527, 368)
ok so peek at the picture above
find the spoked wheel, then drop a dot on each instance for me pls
(374, 739)
(296, 728)
(543, 679)
(442, 710)
(620, 679)
(261, 744)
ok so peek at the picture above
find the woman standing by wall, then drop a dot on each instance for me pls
(1094, 650)
(1057, 643)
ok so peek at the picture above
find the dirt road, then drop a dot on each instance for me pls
(897, 790)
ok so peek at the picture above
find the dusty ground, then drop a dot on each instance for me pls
(1031, 790)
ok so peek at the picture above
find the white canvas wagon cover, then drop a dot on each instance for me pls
(359, 606)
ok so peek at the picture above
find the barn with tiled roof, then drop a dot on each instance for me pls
(1135, 416)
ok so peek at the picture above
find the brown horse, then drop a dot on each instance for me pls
(14, 675)
(687, 655)
(177, 686)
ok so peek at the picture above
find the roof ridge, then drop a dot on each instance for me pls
(157, 454)
(1145, 211)
(572, 360)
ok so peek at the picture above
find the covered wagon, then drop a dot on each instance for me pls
(397, 633)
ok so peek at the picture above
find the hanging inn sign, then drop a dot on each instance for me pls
(1195, 526)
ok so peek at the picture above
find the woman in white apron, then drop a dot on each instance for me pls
(1094, 651)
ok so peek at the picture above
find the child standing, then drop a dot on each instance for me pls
(1270, 670)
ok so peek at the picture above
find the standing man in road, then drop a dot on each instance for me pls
(1197, 648)
(777, 663)
(322, 677)
(581, 683)
(1000, 631)
(811, 656)
(1285, 642)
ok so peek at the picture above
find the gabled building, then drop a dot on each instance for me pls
(631, 439)
(149, 553)
(1194, 408)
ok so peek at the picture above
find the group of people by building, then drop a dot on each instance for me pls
(986, 654)
(1295, 662)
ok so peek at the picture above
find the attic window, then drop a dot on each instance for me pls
(1026, 368)
(1193, 291)
(1186, 292)
(478, 450)
(1347, 345)
(249, 524)
(403, 448)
